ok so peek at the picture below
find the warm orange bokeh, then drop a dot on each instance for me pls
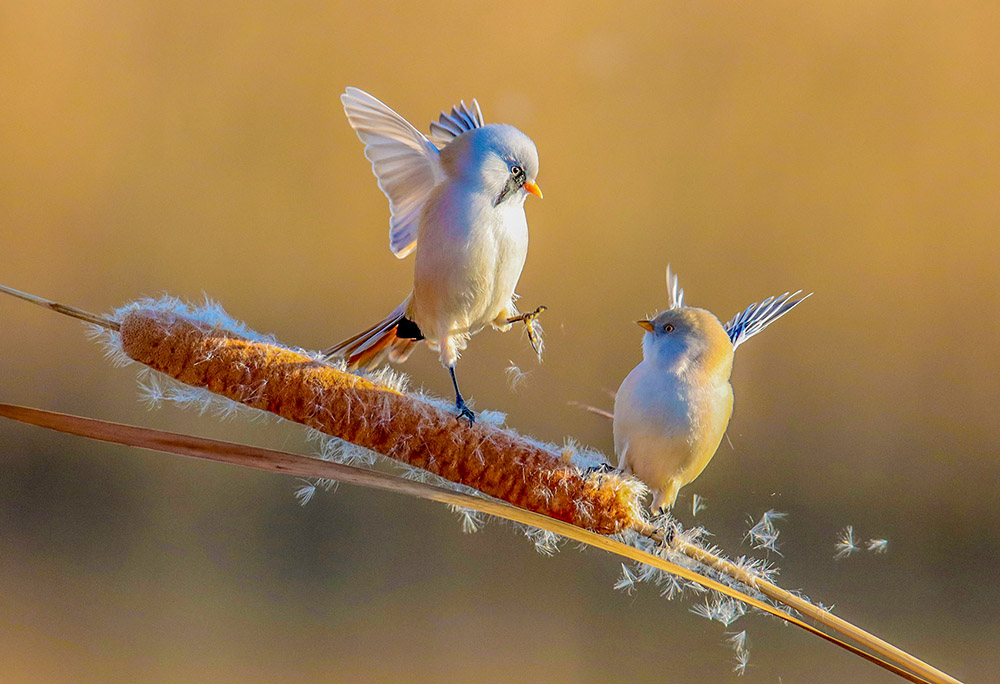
(846, 148)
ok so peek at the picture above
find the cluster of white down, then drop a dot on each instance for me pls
(706, 603)
(847, 544)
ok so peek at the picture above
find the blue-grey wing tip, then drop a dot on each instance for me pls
(459, 120)
(758, 316)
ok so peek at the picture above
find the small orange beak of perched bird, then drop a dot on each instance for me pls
(645, 325)
(532, 187)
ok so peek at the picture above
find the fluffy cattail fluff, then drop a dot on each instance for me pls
(237, 364)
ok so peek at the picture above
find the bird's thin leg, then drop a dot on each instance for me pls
(463, 410)
(529, 324)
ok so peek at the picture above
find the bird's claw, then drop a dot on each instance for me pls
(526, 318)
(465, 412)
(668, 537)
(668, 529)
(534, 335)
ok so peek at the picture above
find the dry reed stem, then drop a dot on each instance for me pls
(294, 464)
(290, 383)
(301, 389)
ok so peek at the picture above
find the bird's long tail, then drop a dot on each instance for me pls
(370, 348)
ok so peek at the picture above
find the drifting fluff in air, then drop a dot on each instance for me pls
(457, 200)
(672, 410)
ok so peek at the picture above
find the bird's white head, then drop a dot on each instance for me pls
(688, 339)
(499, 158)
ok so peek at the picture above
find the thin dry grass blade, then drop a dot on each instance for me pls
(302, 466)
(593, 409)
(62, 308)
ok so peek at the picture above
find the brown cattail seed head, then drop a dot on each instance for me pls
(296, 387)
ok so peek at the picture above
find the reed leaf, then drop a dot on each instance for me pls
(288, 463)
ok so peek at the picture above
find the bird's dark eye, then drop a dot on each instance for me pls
(516, 170)
(668, 328)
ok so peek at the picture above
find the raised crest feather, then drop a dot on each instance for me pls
(674, 290)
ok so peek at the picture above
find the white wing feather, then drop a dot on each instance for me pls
(404, 161)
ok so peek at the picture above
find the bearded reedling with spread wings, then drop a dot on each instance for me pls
(672, 410)
(457, 200)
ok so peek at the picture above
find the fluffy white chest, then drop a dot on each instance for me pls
(667, 426)
(469, 258)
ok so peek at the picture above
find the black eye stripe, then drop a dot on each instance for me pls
(515, 181)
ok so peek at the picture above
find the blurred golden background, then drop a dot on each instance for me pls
(847, 148)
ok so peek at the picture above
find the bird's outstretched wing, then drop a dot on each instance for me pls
(405, 163)
(674, 290)
(450, 126)
(745, 325)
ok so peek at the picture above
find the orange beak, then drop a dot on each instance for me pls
(645, 325)
(532, 187)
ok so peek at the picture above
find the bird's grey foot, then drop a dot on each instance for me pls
(666, 527)
(529, 324)
(463, 410)
(663, 522)
(668, 537)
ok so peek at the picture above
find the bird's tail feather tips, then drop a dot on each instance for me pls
(371, 347)
(758, 316)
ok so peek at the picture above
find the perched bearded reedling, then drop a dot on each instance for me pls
(459, 203)
(672, 410)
